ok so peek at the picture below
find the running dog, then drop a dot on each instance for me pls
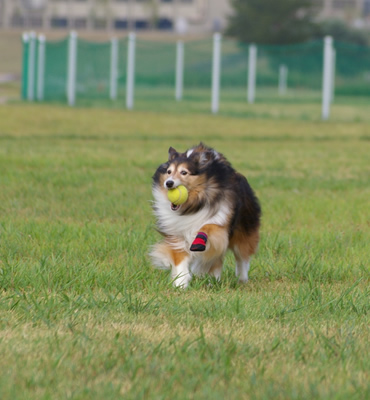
(221, 212)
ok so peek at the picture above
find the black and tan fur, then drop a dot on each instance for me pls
(221, 204)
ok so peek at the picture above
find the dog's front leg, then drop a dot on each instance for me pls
(213, 241)
(211, 238)
(180, 272)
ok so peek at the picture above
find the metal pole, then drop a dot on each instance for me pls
(113, 69)
(179, 70)
(327, 77)
(130, 71)
(72, 69)
(283, 77)
(31, 67)
(216, 72)
(252, 60)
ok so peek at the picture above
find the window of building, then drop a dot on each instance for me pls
(57, 22)
(165, 24)
(120, 24)
(141, 24)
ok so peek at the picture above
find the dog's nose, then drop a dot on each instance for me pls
(169, 184)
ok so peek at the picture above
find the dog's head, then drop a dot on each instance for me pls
(193, 169)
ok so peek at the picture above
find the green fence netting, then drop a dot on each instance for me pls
(352, 70)
(198, 64)
(122, 67)
(155, 64)
(55, 76)
(93, 70)
(155, 70)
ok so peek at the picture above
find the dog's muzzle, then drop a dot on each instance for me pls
(170, 184)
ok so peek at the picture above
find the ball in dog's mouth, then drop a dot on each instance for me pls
(175, 207)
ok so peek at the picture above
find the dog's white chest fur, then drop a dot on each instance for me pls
(184, 228)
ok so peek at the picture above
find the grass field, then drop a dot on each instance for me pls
(83, 315)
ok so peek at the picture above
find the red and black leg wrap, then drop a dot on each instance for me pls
(199, 243)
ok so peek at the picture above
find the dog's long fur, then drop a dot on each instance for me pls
(221, 204)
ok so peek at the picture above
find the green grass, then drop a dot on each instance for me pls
(83, 315)
(303, 105)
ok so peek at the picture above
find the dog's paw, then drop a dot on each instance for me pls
(199, 243)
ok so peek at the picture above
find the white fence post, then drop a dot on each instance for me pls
(327, 77)
(72, 69)
(283, 78)
(179, 79)
(113, 69)
(41, 68)
(252, 61)
(130, 71)
(334, 59)
(31, 67)
(216, 72)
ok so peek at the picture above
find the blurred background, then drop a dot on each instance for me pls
(275, 26)
(192, 16)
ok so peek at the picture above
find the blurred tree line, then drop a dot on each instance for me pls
(285, 22)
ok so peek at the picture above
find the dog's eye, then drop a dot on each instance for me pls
(184, 173)
(169, 172)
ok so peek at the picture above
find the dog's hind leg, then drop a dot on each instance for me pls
(242, 269)
(243, 246)
(216, 269)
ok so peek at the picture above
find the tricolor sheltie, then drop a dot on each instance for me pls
(221, 212)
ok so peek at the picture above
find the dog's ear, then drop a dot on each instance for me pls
(203, 158)
(172, 154)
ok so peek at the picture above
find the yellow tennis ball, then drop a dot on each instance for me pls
(178, 195)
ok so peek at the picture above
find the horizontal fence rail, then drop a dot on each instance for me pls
(75, 70)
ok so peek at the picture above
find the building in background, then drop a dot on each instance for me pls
(192, 16)
(185, 16)
(355, 12)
